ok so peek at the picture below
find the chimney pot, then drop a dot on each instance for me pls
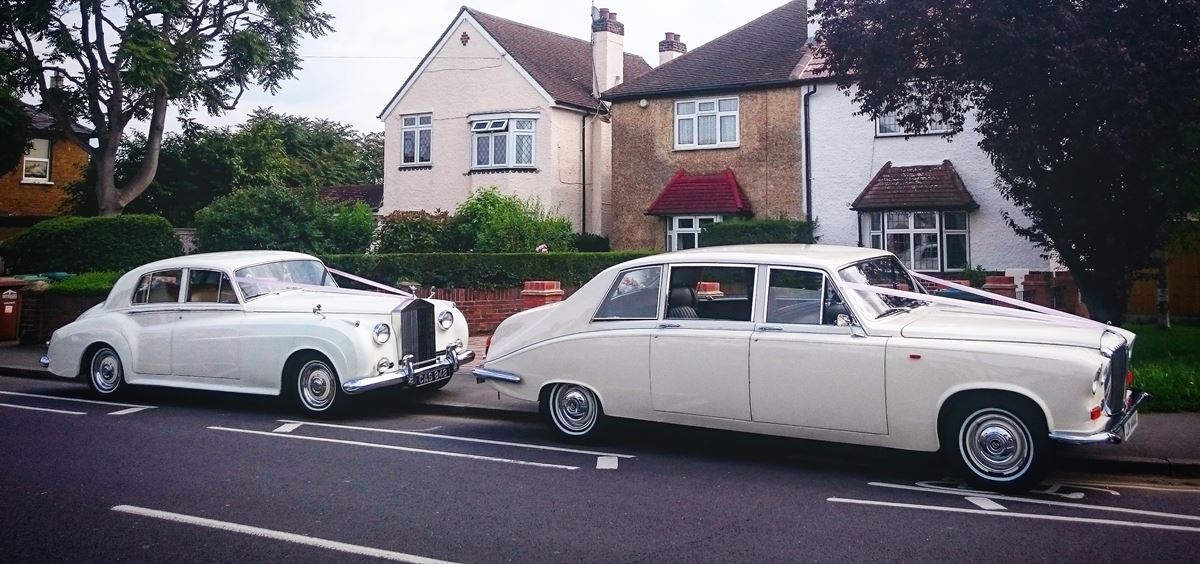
(604, 13)
(607, 21)
(670, 47)
(612, 16)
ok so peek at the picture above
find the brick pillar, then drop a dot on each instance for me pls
(1002, 285)
(1037, 288)
(709, 290)
(540, 292)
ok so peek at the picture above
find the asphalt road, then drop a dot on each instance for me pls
(183, 476)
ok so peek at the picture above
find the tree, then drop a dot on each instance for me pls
(1084, 108)
(284, 219)
(319, 152)
(128, 60)
(14, 122)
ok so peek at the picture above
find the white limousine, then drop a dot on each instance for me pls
(259, 322)
(819, 342)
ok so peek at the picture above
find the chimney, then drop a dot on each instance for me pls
(56, 80)
(608, 50)
(670, 48)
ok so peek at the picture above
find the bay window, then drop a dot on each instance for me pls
(503, 143)
(928, 241)
(683, 231)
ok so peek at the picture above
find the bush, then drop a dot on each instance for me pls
(418, 232)
(87, 284)
(88, 244)
(753, 231)
(283, 219)
(491, 222)
(479, 270)
(592, 243)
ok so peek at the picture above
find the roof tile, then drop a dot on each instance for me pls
(925, 187)
(701, 193)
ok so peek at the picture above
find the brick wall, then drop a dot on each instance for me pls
(68, 163)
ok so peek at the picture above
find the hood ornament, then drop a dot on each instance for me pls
(432, 292)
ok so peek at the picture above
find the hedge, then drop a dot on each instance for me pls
(758, 231)
(89, 284)
(89, 244)
(479, 270)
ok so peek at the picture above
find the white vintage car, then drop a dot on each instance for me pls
(819, 342)
(259, 322)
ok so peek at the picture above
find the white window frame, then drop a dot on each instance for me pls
(877, 233)
(505, 126)
(694, 116)
(25, 178)
(938, 127)
(415, 124)
(674, 230)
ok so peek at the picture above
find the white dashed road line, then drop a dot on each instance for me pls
(986, 503)
(294, 538)
(286, 428)
(64, 412)
(132, 407)
(606, 462)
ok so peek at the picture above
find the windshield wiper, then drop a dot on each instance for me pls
(893, 311)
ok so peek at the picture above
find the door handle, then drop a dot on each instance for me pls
(765, 328)
(668, 325)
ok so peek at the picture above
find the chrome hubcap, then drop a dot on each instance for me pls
(995, 443)
(106, 371)
(317, 385)
(574, 408)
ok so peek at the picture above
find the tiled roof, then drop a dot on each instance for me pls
(41, 120)
(768, 51)
(814, 67)
(701, 193)
(925, 187)
(370, 194)
(560, 63)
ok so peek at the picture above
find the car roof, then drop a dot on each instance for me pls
(831, 257)
(228, 260)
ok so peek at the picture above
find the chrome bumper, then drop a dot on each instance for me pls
(405, 372)
(1113, 432)
(482, 374)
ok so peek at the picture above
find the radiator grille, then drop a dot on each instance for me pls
(416, 331)
(1116, 385)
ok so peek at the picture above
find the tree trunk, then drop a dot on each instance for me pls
(107, 198)
(1163, 297)
(1106, 300)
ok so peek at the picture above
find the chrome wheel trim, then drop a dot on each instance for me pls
(317, 385)
(995, 445)
(574, 409)
(106, 371)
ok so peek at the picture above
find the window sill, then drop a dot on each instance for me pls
(37, 182)
(426, 166)
(526, 170)
(942, 133)
(708, 147)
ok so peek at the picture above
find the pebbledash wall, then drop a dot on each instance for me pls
(846, 154)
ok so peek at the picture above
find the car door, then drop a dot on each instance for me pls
(152, 311)
(808, 370)
(206, 343)
(699, 353)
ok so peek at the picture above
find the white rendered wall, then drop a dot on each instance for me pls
(845, 155)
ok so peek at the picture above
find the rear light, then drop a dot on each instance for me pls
(487, 345)
(1129, 378)
(1096, 412)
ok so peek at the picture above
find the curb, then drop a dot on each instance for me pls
(35, 373)
(1177, 468)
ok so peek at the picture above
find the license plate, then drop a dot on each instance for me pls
(1130, 425)
(440, 373)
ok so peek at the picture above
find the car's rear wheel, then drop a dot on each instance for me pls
(998, 444)
(105, 375)
(315, 387)
(574, 411)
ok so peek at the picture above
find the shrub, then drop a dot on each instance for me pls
(479, 270)
(88, 244)
(418, 232)
(491, 222)
(592, 243)
(283, 219)
(87, 284)
(758, 231)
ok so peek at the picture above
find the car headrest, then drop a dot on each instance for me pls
(681, 297)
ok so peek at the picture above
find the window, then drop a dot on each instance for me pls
(923, 240)
(888, 125)
(158, 287)
(634, 295)
(210, 286)
(417, 139)
(683, 231)
(263, 279)
(795, 296)
(37, 162)
(503, 143)
(706, 124)
(711, 292)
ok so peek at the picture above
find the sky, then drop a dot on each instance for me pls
(350, 74)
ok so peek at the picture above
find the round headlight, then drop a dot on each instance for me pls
(381, 333)
(445, 320)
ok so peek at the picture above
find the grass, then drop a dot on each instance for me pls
(1166, 363)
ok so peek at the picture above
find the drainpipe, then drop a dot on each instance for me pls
(583, 172)
(808, 179)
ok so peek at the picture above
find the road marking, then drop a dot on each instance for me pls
(44, 409)
(286, 428)
(986, 503)
(457, 438)
(1152, 487)
(606, 462)
(1002, 497)
(405, 449)
(277, 535)
(1017, 515)
(121, 412)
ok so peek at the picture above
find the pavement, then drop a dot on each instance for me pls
(1166, 444)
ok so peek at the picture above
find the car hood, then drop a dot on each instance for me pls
(934, 322)
(303, 301)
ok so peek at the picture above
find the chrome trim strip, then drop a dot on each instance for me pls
(1112, 433)
(405, 373)
(482, 374)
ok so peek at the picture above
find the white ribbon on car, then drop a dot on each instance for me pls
(275, 285)
(370, 283)
(1028, 311)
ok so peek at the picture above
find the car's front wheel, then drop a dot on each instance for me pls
(314, 385)
(574, 411)
(998, 444)
(105, 375)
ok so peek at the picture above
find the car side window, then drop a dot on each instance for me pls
(158, 287)
(634, 295)
(210, 286)
(711, 292)
(795, 296)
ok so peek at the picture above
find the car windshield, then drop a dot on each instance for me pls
(275, 276)
(885, 272)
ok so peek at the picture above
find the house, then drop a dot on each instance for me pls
(369, 194)
(499, 103)
(34, 191)
(711, 134)
(929, 198)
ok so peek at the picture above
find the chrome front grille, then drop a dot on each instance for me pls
(1116, 384)
(417, 336)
